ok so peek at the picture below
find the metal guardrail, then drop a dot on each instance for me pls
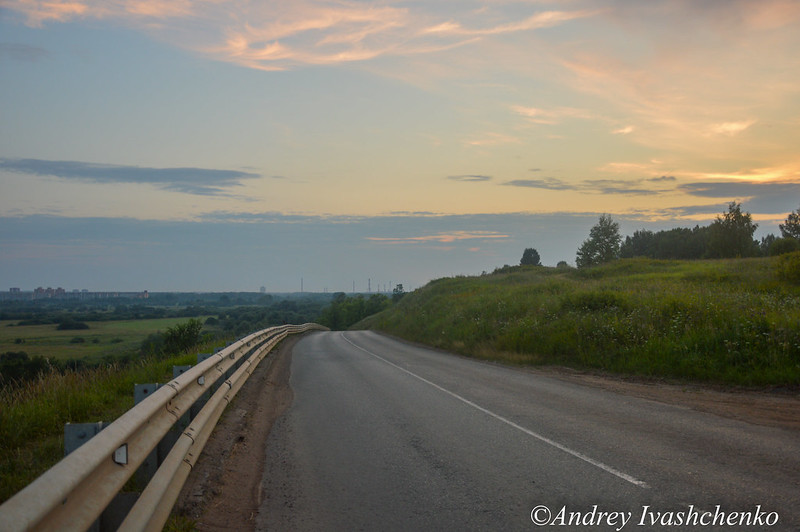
(73, 493)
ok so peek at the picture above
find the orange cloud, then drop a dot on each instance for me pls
(442, 238)
(545, 19)
(37, 12)
(275, 35)
(731, 128)
(159, 8)
(552, 116)
(492, 139)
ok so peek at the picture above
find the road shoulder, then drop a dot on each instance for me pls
(223, 489)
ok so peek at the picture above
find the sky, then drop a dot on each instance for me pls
(225, 145)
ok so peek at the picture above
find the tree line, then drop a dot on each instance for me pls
(729, 236)
(346, 311)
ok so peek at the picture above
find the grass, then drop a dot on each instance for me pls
(728, 321)
(101, 339)
(32, 416)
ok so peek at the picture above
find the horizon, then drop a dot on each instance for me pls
(223, 145)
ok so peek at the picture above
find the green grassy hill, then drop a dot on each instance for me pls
(726, 321)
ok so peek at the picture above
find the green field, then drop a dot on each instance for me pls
(102, 338)
(731, 321)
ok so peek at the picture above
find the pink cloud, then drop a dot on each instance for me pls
(37, 12)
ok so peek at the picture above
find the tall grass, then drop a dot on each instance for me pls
(32, 415)
(733, 321)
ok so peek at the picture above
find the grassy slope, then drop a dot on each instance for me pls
(32, 416)
(100, 339)
(730, 321)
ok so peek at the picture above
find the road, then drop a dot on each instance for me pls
(383, 435)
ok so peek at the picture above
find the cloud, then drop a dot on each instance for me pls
(38, 12)
(695, 94)
(623, 130)
(547, 184)
(278, 35)
(22, 52)
(443, 238)
(492, 139)
(728, 189)
(470, 178)
(198, 181)
(552, 116)
(615, 186)
(705, 211)
(160, 9)
(731, 128)
(765, 198)
(594, 186)
(546, 19)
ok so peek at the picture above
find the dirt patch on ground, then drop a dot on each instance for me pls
(223, 489)
(773, 408)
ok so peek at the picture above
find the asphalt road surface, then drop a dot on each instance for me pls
(383, 435)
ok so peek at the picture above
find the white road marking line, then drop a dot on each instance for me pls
(576, 454)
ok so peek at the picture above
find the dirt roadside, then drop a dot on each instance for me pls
(778, 408)
(223, 490)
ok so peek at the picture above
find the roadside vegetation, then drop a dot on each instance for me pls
(730, 314)
(48, 379)
(734, 321)
(344, 311)
(33, 412)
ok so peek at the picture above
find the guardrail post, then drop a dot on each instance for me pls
(151, 463)
(183, 422)
(75, 435)
(169, 439)
(201, 401)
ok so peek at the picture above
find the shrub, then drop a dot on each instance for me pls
(183, 336)
(781, 246)
(72, 325)
(788, 267)
(18, 366)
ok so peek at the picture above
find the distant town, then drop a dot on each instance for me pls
(61, 293)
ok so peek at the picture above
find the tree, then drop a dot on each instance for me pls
(641, 244)
(398, 293)
(766, 244)
(791, 229)
(602, 245)
(530, 257)
(731, 234)
(183, 336)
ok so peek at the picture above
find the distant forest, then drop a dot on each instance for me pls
(234, 312)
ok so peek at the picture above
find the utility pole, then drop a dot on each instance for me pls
(369, 285)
